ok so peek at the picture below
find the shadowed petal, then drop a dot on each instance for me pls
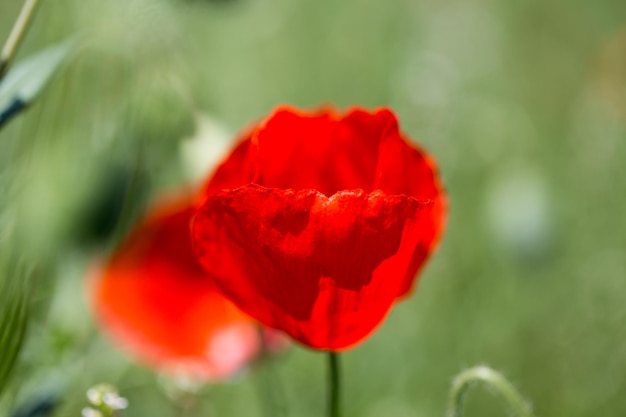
(325, 270)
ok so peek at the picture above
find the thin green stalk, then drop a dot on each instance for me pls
(334, 385)
(495, 381)
(17, 34)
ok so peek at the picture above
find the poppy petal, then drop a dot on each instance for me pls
(234, 172)
(404, 168)
(323, 269)
(155, 300)
(333, 152)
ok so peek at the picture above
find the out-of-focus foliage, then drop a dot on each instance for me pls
(24, 82)
(41, 406)
(14, 312)
(522, 103)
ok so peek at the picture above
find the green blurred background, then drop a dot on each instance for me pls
(522, 103)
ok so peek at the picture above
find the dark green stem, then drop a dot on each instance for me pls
(334, 385)
(495, 381)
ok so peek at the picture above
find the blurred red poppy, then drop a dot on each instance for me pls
(331, 220)
(157, 302)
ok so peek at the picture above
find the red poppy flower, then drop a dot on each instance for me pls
(161, 306)
(332, 220)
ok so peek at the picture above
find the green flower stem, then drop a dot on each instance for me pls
(334, 385)
(17, 34)
(495, 381)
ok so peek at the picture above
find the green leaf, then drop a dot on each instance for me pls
(25, 81)
(14, 309)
